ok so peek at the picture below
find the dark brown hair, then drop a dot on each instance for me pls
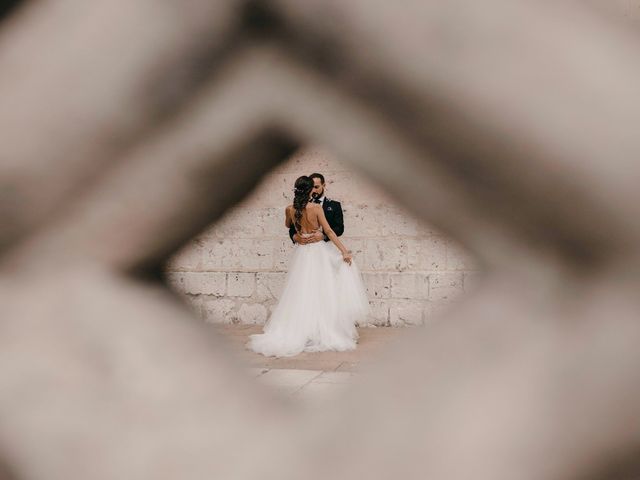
(302, 190)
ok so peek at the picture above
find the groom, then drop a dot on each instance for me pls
(332, 210)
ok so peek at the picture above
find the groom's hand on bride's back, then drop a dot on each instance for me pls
(316, 237)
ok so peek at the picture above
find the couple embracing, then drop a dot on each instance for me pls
(323, 295)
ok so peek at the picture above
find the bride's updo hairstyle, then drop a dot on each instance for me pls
(302, 191)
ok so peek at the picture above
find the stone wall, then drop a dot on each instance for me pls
(234, 271)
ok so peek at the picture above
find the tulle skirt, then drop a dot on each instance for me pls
(322, 300)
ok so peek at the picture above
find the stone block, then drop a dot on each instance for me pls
(282, 249)
(269, 285)
(271, 222)
(427, 254)
(445, 286)
(255, 313)
(396, 222)
(389, 254)
(218, 310)
(372, 219)
(238, 255)
(356, 245)
(435, 310)
(409, 285)
(351, 187)
(197, 283)
(212, 254)
(241, 284)
(406, 312)
(281, 189)
(250, 221)
(361, 220)
(378, 285)
(342, 189)
(379, 313)
(264, 255)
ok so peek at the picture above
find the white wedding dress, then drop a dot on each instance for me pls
(322, 299)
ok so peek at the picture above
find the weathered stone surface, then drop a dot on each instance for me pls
(195, 283)
(241, 284)
(386, 254)
(379, 313)
(282, 251)
(428, 253)
(406, 312)
(409, 285)
(445, 286)
(269, 286)
(378, 285)
(218, 310)
(255, 313)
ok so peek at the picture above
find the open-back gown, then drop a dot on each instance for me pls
(322, 300)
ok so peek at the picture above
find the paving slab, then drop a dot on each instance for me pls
(371, 342)
(319, 394)
(288, 381)
(333, 377)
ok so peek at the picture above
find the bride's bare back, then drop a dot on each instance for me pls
(312, 220)
(309, 222)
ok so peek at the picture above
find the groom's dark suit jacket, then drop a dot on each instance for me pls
(333, 212)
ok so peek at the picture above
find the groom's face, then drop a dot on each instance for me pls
(318, 188)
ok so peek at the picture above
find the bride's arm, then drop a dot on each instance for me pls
(346, 254)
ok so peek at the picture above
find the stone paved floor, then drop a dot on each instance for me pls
(311, 387)
(311, 378)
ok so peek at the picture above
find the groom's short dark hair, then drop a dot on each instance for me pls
(317, 175)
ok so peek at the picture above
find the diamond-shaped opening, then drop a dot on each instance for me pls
(232, 274)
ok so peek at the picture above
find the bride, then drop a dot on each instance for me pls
(323, 296)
